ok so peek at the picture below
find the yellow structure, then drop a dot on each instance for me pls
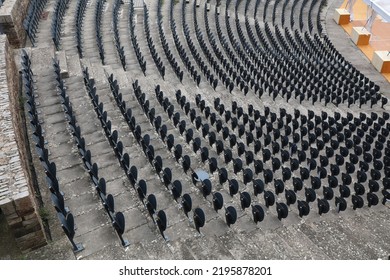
(381, 61)
(360, 36)
(379, 40)
(341, 16)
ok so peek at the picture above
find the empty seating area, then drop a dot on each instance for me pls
(64, 215)
(191, 129)
(80, 13)
(31, 21)
(56, 25)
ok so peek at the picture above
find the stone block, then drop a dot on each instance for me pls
(15, 222)
(31, 216)
(12, 216)
(5, 18)
(360, 36)
(24, 205)
(22, 232)
(32, 223)
(12, 14)
(31, 241)
(342, 16)
(7, 206)
(61, 56)
(381, 61)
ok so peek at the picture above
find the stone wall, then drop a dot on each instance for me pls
(17, 196)
(12, 14)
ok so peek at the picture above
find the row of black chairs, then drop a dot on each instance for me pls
(253, 55)
(156, 58)
(344, 131)
(195, 54)
(358, 88)
(320, 27)
(292, 14)
(242, 78)
(180, 48)
(79, 17)
(206, 187)
(131, 171)
(258, 185)
(273, 11)
(374, 172)
(117, 41)
(149, 201)
(266, 4)
(168, 53)
(283, 16)
(233, 184)
(133, 38)
(323, 58)
(278, 86)
(310, 24)
(107, 200)
(322, 172)
(214, 65)
(57, 196)
(98, 28)
(300, 17)
(185, 160)
(31, 22)
(248, 176)
(165, 174)
(56, 24)
(229, 75)
(175, 187)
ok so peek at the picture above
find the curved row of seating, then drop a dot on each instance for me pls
(156, 58)
(56, 24)
(236, 76)
(80, 12)
(292, 14)
(379, 161)
(300, 18)
(31, 22)
(307, 91)
(229, 74)
(320, 27)
(133, 38)
(117, 41)
(57, 196)
(205, 185)
(283, 16)
(156, 161)
(165, 174)
(180, 48)
(266, 4)
(195, 54)
(98, 29)
(168, 53)
(117, 218)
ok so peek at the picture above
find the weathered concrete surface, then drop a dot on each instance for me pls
(17, 195)
(12, 14)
